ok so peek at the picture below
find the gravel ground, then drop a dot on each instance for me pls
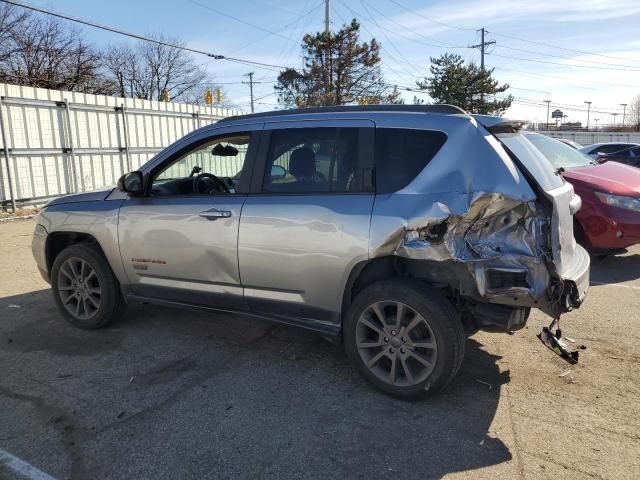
(167, 394)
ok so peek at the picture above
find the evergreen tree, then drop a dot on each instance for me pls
(465, 85)
(338, 70)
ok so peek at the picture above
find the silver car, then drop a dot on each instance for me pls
(398, 229)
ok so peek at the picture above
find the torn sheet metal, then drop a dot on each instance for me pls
(555, 343)
(494, 234)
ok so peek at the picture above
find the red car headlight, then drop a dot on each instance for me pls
(620, 201)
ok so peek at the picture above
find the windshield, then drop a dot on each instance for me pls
(559, 154)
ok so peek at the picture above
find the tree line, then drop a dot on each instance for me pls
(44, 52)
(337, 69)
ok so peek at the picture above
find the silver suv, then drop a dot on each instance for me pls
(398, 229)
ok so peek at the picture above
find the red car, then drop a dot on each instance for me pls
(609, 219)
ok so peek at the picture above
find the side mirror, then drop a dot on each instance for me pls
(131, 183)
(278, 172)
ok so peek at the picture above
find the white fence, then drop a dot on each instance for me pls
(54, 142)
(587, 138)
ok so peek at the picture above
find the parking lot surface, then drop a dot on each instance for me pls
(167, 393)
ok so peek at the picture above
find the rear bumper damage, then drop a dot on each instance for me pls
(498, 251)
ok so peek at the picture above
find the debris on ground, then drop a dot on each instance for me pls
(555, 342)
(564, 374)
(121, 414)
(569, 339)
(485, 383)
(14, 306)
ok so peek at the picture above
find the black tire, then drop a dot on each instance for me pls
(441, 321)
(111, 304)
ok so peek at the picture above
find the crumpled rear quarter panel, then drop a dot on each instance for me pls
(470, 207)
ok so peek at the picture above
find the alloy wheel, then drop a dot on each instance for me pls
(396, 343)
(79, 288)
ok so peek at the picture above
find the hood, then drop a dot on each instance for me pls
(92, 196)
(609, 177)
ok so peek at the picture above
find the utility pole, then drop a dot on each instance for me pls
(482, 46)
(548, 102)
(327, 14)
(624, 112)
(588, 111)
(250, 83)
(614, 118)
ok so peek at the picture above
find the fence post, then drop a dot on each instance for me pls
(125, 129)
(71, 149)
(6, 159)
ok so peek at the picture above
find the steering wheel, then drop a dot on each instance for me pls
(219, 185)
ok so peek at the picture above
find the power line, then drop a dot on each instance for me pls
(237, 19)
(535, 75)
(432, 20)
(563, 64)
(636, 68)
(300, 16)
(584, 52)
(108, 28)
(382, 14)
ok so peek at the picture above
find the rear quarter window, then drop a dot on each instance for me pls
(401, 154)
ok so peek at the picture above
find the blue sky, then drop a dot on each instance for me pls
(568, 51)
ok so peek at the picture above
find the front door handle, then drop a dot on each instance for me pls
(214, 214)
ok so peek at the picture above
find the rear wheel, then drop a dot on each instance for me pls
(404, 337)
(84, 287)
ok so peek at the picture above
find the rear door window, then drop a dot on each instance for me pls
(401, 154)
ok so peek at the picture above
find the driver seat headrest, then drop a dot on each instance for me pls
(302, 163)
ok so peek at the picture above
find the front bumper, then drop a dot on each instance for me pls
(38, 248)
(610, 228)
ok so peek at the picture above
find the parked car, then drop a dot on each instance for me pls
(609, 219)
(628, 153)
(569, 142)
(391, 227)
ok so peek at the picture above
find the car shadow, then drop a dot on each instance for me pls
(615, 268)
(241, 398)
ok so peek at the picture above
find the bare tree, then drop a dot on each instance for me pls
(634, 113)
(10, 19)
(42, 52)
(156, 72)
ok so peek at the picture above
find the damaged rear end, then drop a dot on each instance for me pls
(490, 222)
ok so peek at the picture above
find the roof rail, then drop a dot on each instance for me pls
(436, 108)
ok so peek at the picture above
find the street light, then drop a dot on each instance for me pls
(597, 120)
(614, 118)
(588, 111)
(548, 102)
(624, 111)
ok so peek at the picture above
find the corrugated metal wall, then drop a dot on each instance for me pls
(64, 142)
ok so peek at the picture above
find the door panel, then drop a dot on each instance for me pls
(171, 251)
(302, 234)
(296, 252)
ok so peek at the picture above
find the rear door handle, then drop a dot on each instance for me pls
(214, 214)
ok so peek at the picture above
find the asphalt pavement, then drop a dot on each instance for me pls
(168, 393)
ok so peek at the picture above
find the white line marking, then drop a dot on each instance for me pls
(10, 464)
(607, 284)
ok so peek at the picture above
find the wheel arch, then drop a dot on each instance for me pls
(57, 241)
(366, 273)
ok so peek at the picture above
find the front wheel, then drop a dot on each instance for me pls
(404, 337)
(85, 288)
